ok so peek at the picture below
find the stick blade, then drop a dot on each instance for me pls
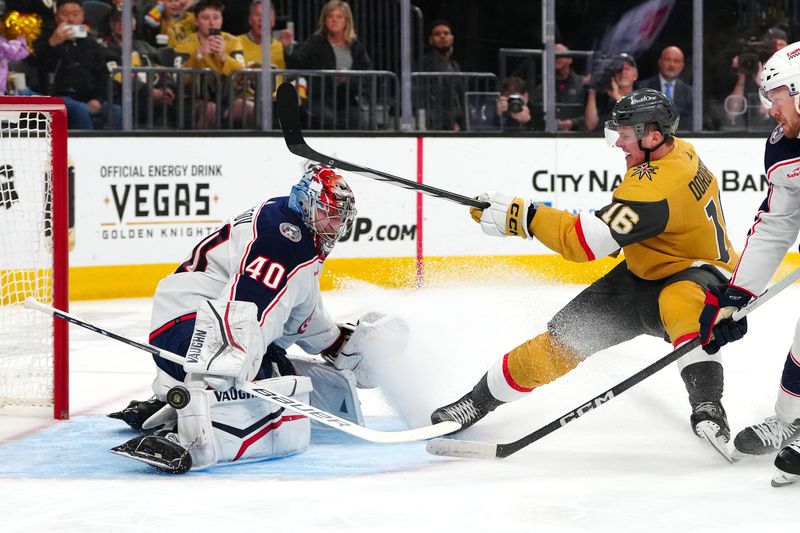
(462, 448)
(289, 115)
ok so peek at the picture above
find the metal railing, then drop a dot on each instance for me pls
(330, 99)
(438, 98)
(193, 89)
(367, 100)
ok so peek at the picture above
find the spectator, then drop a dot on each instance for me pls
(251, 44)
(444, 108)
(213, 49)
(742, 108)
(670, 66)
(72, 66)
(160, 89)
(570, 95)
(251, 41)
(604, 94)
(513, 106)
(172, 18)
(334, 46)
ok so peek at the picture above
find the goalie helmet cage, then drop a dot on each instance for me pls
(34, 368)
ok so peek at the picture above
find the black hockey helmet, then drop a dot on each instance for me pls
(643, 107)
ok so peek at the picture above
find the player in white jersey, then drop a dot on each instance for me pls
(246, 293)
(775, 229)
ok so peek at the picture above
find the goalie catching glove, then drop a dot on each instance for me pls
(362, 346)
(505, 216)
(226, 346)
(717, 328)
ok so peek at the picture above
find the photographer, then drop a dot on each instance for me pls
(612, 79)
(513, 106)
(72, 66)
(742, 105)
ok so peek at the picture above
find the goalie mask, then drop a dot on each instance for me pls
(326, 204)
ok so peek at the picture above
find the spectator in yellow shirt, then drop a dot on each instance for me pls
(213, 49)
(251, 41)
(172, 18)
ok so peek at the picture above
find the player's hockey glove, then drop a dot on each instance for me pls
(717, 328)
(505, 216)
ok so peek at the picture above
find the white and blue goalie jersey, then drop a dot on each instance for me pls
(267, 256)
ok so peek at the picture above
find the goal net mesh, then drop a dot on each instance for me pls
(26, 258)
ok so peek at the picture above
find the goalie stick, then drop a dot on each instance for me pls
(289, 115)
(323, 417)
(488, 450)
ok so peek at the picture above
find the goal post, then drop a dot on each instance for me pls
(34, 247)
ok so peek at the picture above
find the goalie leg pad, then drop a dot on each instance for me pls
(334, 390)
(246, 428)
(194, 428)
(231, 426)
(226, 345)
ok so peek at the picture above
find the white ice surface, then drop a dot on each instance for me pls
(631, 465)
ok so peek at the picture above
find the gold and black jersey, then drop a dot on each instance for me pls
(666, 216)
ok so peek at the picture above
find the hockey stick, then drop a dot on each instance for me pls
(289, 115)
(323, 417)
(487, 450)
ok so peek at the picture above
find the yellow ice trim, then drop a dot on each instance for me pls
(139, 281)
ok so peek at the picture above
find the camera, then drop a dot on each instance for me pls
(605, 66)
(78, 31)
(752, 52)
(516, 103)
(214, 31)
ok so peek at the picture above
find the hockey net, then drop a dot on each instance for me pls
(33, 253)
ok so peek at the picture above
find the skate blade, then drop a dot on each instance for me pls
(708, 430)
(781, 478)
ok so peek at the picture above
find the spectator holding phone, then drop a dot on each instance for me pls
(214, 49)
(73, 67)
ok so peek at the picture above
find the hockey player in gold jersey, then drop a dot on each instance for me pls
(667, 219)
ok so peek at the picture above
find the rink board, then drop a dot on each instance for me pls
(79, 448)
(143, 203)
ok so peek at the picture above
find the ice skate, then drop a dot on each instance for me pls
(788, 464)
(709, 422)
(138, 412)
(766, 437)
(470, 408)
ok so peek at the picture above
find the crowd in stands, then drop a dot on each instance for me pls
(198, 72)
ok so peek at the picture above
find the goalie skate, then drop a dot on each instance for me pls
(710, 423)
(137, 412)
(160, 450)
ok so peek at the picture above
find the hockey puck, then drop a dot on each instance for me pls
(178, 397)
